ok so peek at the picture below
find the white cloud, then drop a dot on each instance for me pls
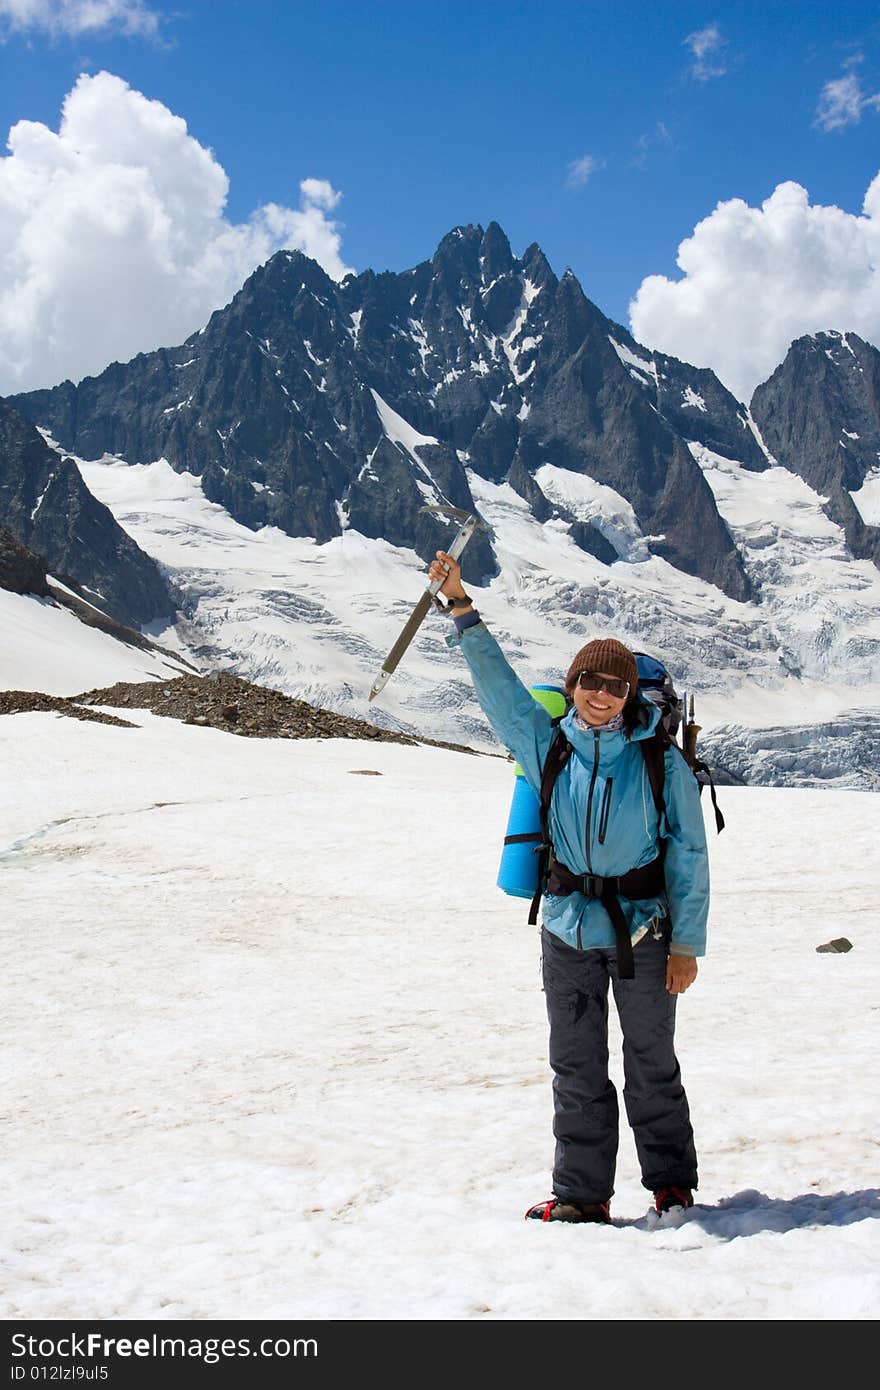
(707, 46)
(113, 238)
(320, 193)
(579, 170)
(72, 17)
(756, 278)
(660, 136)
(842, 101)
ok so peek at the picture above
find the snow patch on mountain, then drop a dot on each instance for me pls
(643, 367)
(692, 399)
(513, 350)
(596, 504)
(749, 421)
(317, 620)
(420, 338)
(401, 433)
(551, 597)
(867, 498)
(821, 605)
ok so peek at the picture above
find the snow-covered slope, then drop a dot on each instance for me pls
(824, 606)
(244, 1088)
(316, 620)
(45, 647)
(843, 752)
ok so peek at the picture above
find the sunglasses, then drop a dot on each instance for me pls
(588, 680)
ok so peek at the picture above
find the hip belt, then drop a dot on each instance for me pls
(644, 882)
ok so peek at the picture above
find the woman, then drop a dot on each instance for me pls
(604, 822)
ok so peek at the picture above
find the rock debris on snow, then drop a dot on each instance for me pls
(26, 701)
(219, 701)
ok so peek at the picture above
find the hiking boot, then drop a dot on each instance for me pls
(555, 1210)
(673, 1198)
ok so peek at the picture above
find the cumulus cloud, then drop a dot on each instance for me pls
(320, 193)
(842, 101)
(753, 279)
(72, 17)
(579, 170)
(707, 47)
(113, 238)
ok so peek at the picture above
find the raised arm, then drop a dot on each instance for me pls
(520, 723)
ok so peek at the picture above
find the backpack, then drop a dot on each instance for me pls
(656, 685)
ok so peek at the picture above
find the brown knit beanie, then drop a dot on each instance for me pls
(608, 656)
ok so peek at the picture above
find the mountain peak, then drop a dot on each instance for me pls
(460, 242)
(495, 253)
(537, 267)
(818, 414)
(827, 340)
(286, 272)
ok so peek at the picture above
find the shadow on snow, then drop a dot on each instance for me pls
(749, 1213)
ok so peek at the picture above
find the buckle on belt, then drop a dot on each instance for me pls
(594, 885)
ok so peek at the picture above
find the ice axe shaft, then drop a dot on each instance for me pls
(470, 524)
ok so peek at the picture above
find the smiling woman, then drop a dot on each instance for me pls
(599, 694)
(625, 903)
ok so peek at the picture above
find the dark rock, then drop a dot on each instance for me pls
(819, 414)
(693, 401)
(26, 701)
(838, 946)
(261, 712)
(47, 507)
(21, 570)
(506, 367)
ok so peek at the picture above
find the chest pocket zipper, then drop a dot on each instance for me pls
(605, 810)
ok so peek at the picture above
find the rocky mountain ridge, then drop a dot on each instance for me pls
(308, 424)
(314, 407)
(47, 507)
(819, 415)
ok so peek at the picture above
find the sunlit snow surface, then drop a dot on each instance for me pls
(867, 499)
(317, 620)
(45, 647)
(275, 1046)
(824, 606)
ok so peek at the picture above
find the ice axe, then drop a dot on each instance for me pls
(469, 524)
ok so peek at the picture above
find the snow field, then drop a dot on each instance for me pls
(316, 621)
(276, 1046)
(47, 648)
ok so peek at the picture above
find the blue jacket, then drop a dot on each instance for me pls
(615, 827)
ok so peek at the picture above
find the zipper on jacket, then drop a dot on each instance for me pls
(589, 815)
(605, 811)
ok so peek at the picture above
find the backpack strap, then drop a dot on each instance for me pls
(701, 771)
(653, 751)
(558, 755)
(654, 754)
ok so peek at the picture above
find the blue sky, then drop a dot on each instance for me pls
(605, 132)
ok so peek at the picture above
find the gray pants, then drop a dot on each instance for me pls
(585, 1119)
